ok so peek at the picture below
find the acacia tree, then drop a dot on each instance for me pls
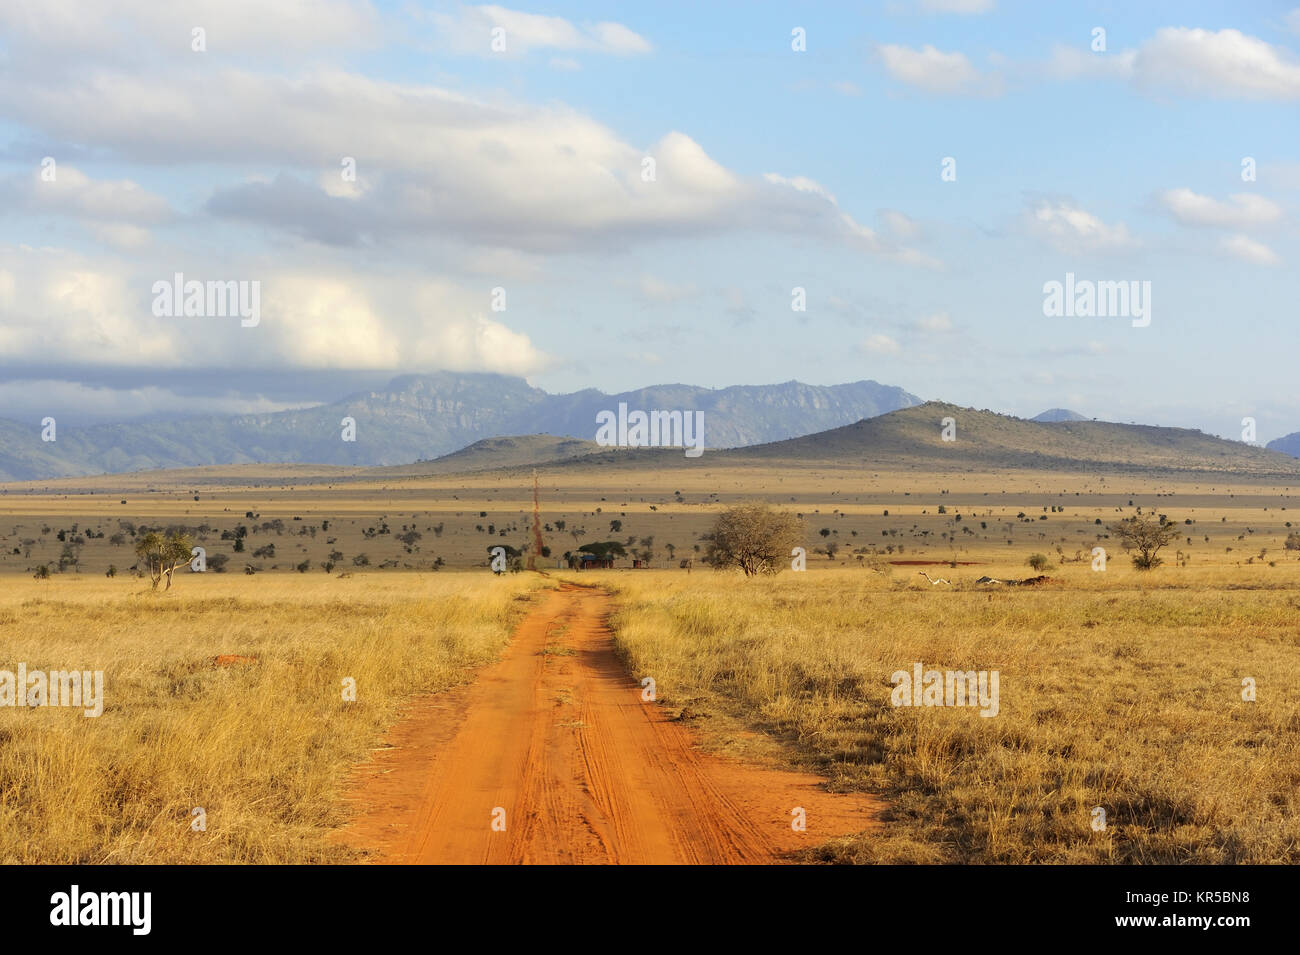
(163, 555)
(1146, 535)
(753, 537)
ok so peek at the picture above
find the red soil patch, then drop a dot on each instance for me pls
(554, 744)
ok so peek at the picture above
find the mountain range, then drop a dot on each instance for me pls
(421, 417)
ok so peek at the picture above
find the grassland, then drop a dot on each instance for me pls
(263, 748)
(977, 516)
(1120, 690)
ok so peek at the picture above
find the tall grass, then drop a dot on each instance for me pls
(263, 748)
(1116, 692)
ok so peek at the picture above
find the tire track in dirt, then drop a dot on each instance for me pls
(556, 735)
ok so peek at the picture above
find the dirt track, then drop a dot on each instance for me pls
(556, 735)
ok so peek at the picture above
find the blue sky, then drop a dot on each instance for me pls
(521, 169)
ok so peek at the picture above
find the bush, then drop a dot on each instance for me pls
(1039, 562)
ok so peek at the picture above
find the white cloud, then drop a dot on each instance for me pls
(955, 6)
(120, 235)
(1070, 62)
(1222, 64)
(879, 344)
(75, 194)
(1248, 250)
(935, 71)
(938, 322)
(431, 163)
(801, 184)
(900, 224)
(469, 30)
(61, 33)
(657, 290)
(1241, 211)
(1073, 229)
(97, 402)
(98, 312)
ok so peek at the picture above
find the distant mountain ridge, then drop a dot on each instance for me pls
(1287, 444)
(421, 417)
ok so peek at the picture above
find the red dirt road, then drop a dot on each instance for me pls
(554, 744)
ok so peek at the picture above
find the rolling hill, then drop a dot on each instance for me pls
(911, 439)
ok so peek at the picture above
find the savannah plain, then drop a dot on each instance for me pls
(1119, 689)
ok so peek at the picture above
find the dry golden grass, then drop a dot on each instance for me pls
(262, 748)
(1120, 690)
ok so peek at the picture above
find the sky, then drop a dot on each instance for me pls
(620, 195)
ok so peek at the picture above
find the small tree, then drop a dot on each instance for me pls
(1038, 562)
(163, 555)
(754, 538)
(1145, 534)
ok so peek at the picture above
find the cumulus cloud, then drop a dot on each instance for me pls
(1218, 64)
(935, 71)
(955, 6)
(470, 30)
(900, 224)
(1185, 61)
(64, 34)
(430, 162)
(93, 312)
(1248, 250)
(938, 322)
(115, 213)
(1073, 229)
(880, 344)
(1240, 211)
